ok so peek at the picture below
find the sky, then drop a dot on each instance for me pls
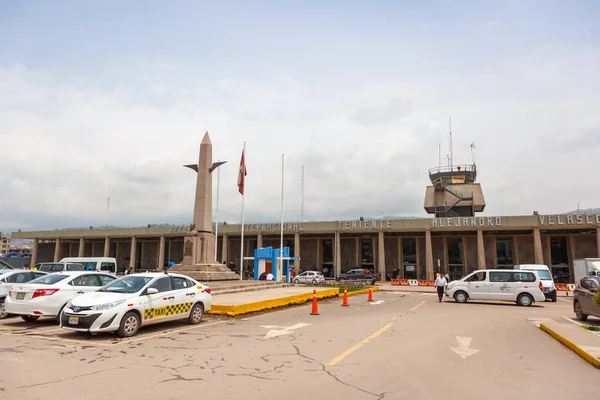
(114, 97)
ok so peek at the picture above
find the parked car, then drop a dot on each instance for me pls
(47, 296)
(104, 264)
(9, 278)
(310, 277)
(583, 304)
(58, 267)
(138, 300)
(359, 275)
(543, 271)
(522, 287)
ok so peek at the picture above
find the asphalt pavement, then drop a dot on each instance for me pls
(402, 346)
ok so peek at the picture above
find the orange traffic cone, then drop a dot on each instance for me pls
(315, 307)
(345, 303)
(370, 293)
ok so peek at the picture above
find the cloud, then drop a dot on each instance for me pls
(366, 142)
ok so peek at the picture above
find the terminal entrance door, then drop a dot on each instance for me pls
(268, 267)
(456, 263)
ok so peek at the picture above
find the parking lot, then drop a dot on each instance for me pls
(403, 345)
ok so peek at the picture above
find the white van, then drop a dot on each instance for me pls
(522, 287)
(106, 264)
(546, 277)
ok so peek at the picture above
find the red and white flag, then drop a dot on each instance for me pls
(242, 173)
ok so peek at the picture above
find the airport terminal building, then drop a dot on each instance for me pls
(455, 239)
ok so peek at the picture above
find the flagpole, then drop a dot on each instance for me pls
(217, 222)
(243, 197)
(281, 224)
(107, 207)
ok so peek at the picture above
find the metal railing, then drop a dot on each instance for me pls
(453, 168)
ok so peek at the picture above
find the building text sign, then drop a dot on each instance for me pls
(465, 222)
(292, 226)
(364, 224)
(570, 219)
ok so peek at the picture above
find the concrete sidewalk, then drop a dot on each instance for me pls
(234, 304)
(582, 341)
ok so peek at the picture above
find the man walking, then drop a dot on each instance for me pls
(440, 284)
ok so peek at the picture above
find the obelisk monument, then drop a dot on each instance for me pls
(199, 244)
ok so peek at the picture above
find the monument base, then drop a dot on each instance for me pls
(206, 272)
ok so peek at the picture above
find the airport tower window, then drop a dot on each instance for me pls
(456, 263)
(409, 258)
(367, 253)
(559, 258)
(504, 253)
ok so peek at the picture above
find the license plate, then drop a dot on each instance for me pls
(20, 296)
(73, 320)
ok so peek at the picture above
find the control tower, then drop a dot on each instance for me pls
(453, 192)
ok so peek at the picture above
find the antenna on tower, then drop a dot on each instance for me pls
(302, 197)
(450, 129)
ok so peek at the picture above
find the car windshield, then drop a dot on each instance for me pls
(128, 284)
(544, 275)
(48, 279)
(50, 267)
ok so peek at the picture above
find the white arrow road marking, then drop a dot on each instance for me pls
(463, 349)
(377, 302)
(284, 331)
(538, 320)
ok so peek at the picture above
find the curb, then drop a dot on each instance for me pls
(241, 309)
(582, 353)
(361, 291)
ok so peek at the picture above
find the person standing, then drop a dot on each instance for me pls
(440, 284)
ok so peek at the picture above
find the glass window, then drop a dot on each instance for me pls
(90, 265)
(477, 277)
(367, 251)
(107, 266)
(106, 279)
(74, 267)
(18, 278)
(86, 280)
(162, 284)
(524, 277)
(180, 283)
(49, 279)
(500, 277)
(504, 251)
(49, 267)
(593, 284)
(585, 283)
(37, 275)
(127, 284)
(409, 258)
(455, 251)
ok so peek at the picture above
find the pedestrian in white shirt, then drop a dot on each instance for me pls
(440, 284)
(270, 277)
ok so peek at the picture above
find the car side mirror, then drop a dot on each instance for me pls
(151, 291)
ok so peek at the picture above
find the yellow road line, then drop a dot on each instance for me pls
(358, 345)
(417, 306)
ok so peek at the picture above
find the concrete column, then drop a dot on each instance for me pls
(571, 252)
(338, 255)
(132, 253)
(106, 246)
(515, 240)
(428, 256)
(537, 246)
(598, 240)
(161, 252)
(465, 258)
(381, 255)
(259, 241)
(34, 251)
(81, 247)
(296, 252)
(400, 259)
(358, 251)
(480, 250)
(548, 257)
(57, 250)
(224, 250)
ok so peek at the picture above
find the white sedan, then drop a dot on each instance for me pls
(48, 295)
(11, 277)
(137, 300)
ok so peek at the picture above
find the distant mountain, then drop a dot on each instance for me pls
(585, 211)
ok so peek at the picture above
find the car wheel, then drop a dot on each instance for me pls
(460, 297)
(296, 281)
(314, 281)
(196, 314)
(554, 299)
(524, 300)
(29, 318)
(130, 323)
(373, 282)
(579, 313)
(3, 313)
